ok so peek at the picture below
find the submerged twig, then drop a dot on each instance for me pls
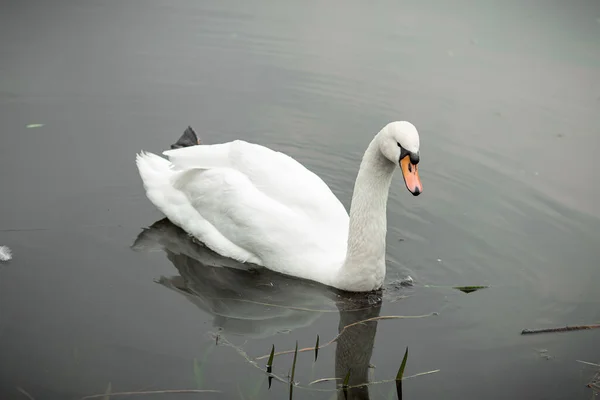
(108, 391)
(323, 380)
(588, 363)
(173, 391)
(361, 384)
(241, 352)
(416, 375)
(391, 380)
(252, 362)
(381, 318)
(561, 329)
(298, 386)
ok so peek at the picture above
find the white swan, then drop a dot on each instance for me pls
(256, 205)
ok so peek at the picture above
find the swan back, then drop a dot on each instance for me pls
(277, 175)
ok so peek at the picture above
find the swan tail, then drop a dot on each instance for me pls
(159, 178)
(153, 169)
(162, 184)
(189, 138)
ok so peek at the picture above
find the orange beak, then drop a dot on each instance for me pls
(410, 172)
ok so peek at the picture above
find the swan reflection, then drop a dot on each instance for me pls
(255, 302)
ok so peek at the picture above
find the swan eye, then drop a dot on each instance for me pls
(403, 152)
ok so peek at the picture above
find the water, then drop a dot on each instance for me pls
(506, 97)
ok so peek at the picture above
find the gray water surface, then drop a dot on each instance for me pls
(506, 96)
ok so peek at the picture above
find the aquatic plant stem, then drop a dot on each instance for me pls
(381, 318)
(297, 385)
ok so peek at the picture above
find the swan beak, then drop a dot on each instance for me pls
(410, 172)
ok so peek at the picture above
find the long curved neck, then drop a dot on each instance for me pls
(364, 267)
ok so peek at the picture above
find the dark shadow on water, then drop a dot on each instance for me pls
(255, 302)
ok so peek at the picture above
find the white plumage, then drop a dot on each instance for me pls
(256, 205)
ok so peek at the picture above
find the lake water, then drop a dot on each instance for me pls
(506, 96)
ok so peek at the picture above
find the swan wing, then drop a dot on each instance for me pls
(252, 204)
(277, 175)
(231, 216)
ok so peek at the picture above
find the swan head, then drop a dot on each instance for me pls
(399, 143)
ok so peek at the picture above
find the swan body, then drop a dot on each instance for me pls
(255, 205)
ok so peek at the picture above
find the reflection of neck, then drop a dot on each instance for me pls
(364, 267)
(354, 348)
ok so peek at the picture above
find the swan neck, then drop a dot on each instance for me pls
(364, 267)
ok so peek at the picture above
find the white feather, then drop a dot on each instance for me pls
(5, 253)
(253, 204)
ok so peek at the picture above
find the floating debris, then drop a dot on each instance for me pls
(5, 253)
(30, 126)
(470, 289)
(594, 384)
(561, 329)
(545, 354)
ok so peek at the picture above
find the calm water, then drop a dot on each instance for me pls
(506, 97)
